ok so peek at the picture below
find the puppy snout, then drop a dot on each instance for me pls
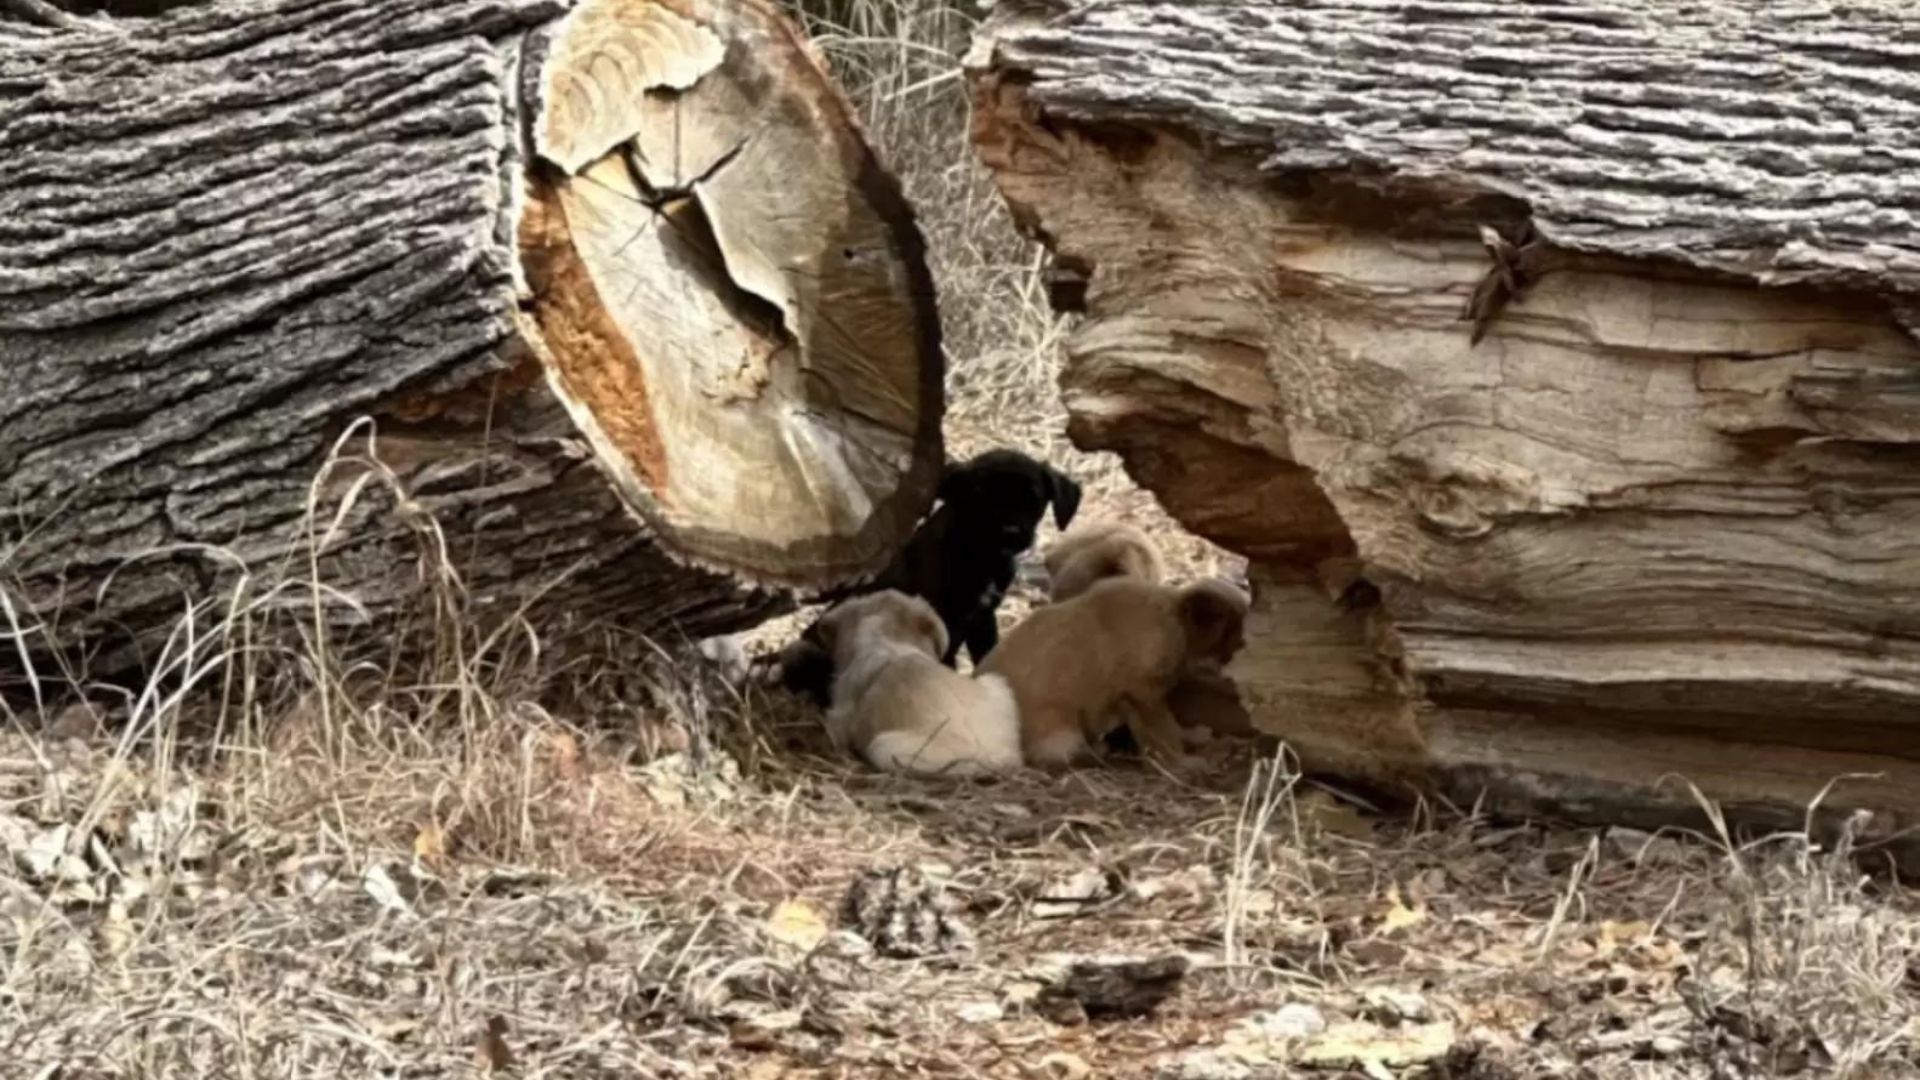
(1015, 538)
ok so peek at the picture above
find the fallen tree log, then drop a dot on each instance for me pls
(1572, 346)
(635, 314)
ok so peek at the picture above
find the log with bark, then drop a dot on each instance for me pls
(614, 293)
(1554, 363)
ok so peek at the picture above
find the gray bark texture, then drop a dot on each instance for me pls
(1771, 141)
(231, 231)
(1580, 332)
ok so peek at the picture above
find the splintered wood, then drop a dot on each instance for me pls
(1585, 336)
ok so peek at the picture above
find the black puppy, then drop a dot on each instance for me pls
(962, 558)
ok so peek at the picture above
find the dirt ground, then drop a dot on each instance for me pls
(548, 903)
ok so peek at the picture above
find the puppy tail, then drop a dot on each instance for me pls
(1135, 561)
(1114, 558)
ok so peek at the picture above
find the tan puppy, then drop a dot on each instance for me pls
(1110, 655)
(899, 706)
(1101, 550)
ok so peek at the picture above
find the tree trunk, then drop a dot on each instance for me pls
(1572, 345)
(636, 316)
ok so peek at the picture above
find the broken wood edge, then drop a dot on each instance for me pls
(596, 369)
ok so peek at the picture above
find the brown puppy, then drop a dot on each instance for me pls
(902, 709)
(1098, 551)
(1111, 654)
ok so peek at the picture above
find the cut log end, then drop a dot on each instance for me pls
(728, 292)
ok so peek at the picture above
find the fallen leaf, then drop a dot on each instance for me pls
(380, 885)
(1361, 1045)
(1023, 992)
(116, 931)
(170, 833)
(430, 847)
(384, 959)
(391, 1030)
(1399, 916)
(980, 1012)
(1333, 815)
(797, 925)
(566, 756)
(45, 857)
(762, 1031)
(492, 1052)
(1063, 1066)
(1625, 933)
(1193, 883)
(1071, 896)
(1296, 1020)
(15, 832)
(1375, 953)
(1390, 1006)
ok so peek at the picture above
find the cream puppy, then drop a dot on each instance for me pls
(1098, 551)
(896, 704)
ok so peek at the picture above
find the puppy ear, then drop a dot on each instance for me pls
(927, 623)
(1064, 492)
(954, 482)
(826, 628)
(1212, 617)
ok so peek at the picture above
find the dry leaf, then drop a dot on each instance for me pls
(492, 1053)
(1625, 933)
(1295, 1020)
(169, 833)
(1388, 1005)
(980, 1012)
(1331, 815)
(768, 1068)
(15, 832)
(1372, 1048)
(763, 1031)
(1063, 1066)
(430, 847)
(1193, 883)
(45, 857)
(385, 892)
(797, 925)
(1399, 916)
(116, 931)
(1023, 992)
(566, 756)
(1075, 895)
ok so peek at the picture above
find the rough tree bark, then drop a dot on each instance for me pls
(1621, 494)
(635, 313)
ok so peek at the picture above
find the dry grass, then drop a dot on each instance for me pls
(291, 856)
(900, 59)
